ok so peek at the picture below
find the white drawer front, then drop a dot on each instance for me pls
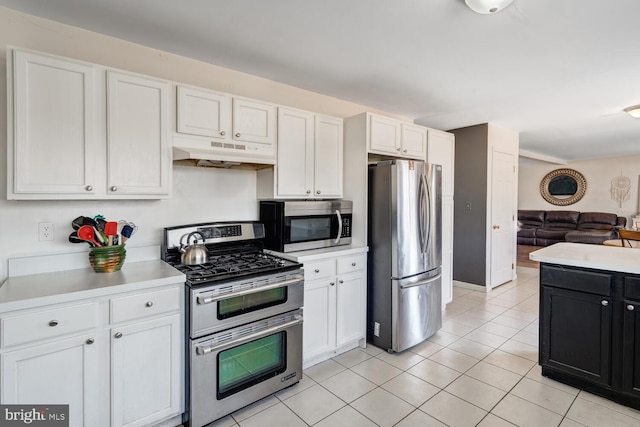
(351, 263)
(319, 269)
(46, 324)
(145, 304)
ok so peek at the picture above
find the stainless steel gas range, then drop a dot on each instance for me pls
(244, 319)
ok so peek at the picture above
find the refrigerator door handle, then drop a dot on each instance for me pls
(422, 282)
(425, 206)
(339, 226)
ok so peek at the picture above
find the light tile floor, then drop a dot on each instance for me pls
(480, 369)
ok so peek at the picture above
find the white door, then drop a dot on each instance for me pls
(349, 308)
(146, 374)
(328, 155)
(55, 143)
(295, 153)
(138, 145)
(502, 247)
(203, 113)
(384, 135)
(254, 121)
(63, 372)
(414, 141)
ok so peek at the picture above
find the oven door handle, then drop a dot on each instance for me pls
(202, 350)
(208, 300)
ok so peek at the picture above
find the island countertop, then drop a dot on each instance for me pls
(600, 257)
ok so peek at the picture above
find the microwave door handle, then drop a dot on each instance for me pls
(339, 226)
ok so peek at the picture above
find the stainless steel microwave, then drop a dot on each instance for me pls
(301, 225)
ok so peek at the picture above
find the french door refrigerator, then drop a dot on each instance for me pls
(405, 253)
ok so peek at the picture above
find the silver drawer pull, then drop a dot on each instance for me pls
(114, 188)
(332, 283)
(222, 133)
(340, 281)
(317, 270)
(88, 188)
(207, 300)
(604, 302)
(237, 135)
(90, 341)
(118, 335)
(149, 304)
(353, 264)
(630, 307)
(53, 323)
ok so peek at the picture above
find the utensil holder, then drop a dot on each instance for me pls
(106, 259)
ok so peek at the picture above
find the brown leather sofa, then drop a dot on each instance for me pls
(544, 228)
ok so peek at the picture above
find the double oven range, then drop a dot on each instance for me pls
(243, 319)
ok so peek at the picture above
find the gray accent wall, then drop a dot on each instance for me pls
(470, 205)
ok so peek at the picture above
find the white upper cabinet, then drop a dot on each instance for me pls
(72, 137)
(395, 138)
(254, 121)
(442, 151)
(55, 144)
(310, 157)
(139, 150)
(203, 113)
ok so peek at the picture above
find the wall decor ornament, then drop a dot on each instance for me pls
(563, 187)
(620, 189)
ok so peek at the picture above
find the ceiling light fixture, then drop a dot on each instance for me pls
(487, 6)
(633, 111)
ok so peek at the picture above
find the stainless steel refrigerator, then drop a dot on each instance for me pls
(405, 253)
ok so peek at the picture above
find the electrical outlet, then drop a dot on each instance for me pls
(46, 231)
(467, 206)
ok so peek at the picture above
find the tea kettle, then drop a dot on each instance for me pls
(195, 253)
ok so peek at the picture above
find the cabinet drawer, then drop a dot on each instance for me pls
(632, 287)
(319, 269)
(144, 305)
(594, 282)
(351, 263)
(48, 323)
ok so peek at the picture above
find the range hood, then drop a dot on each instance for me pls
(200, 152)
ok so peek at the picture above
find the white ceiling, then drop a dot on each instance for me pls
(558, 71)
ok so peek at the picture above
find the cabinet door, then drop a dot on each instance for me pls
(55, 146)
(441, 149)
(62, 372)
(350, 308)
(328, 157)
(576, 334)
(295, 153)
(414, 141)
(319, 326)
(146, 372)
(139, 150)
(203, 113)
(631, 348)
(384, 135)
(254, 121)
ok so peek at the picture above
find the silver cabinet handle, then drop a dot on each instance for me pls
(222, 133)
(114, 188)
(496, 227)
(353, 264)
(308, 191)
(317, 191)
(118, 335)
(237, 135)
(604, 302)
(340, 281)
(397, 149)
(630, 307)
(88, 188)
(332, 283)
(149, 304)
(317, 270)
(53, 323)
(90, 341)
(404, 151)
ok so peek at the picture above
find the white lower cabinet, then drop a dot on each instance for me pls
(124, 370)
(334, 306)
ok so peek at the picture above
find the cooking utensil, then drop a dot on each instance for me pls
(195, 253)
(73, 238)
(100, 223)
(126, 232)
(78, 222)
(111, 230)
(86, 232)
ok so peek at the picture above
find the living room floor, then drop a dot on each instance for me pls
(480, 369)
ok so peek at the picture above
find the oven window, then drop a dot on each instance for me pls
(310, 228)
(248, 364)
(236, 306)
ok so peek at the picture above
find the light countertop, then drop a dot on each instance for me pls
(316, 254)
(600, 257)
(33, 290)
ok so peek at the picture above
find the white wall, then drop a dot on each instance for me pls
(599, 173)
(199, 194)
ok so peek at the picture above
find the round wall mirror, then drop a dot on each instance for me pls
(563, 187)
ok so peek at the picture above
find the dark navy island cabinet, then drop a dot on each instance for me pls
(590, 330)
